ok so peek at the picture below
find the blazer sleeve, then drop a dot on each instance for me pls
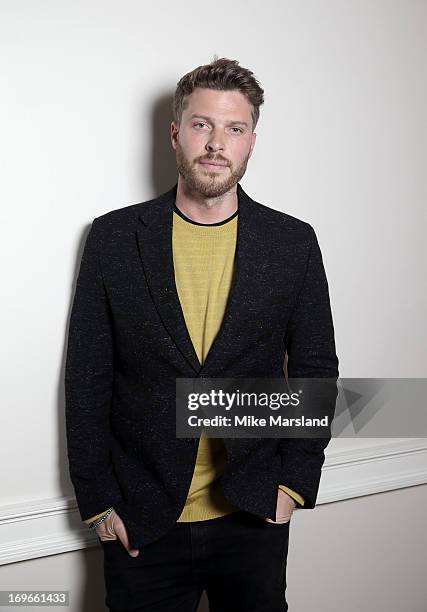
(88, 387)
(310, 346)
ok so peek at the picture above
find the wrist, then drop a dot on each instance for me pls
(95, 524)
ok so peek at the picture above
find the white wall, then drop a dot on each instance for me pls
(85, 113)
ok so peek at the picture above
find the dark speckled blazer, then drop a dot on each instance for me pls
(128, 342)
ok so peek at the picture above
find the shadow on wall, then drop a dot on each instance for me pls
(163, 162)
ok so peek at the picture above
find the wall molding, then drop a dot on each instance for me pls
(38, 528)
(394, 464)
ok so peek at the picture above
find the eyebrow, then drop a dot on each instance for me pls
(196, 116)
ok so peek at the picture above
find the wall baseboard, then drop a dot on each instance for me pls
(39, 528)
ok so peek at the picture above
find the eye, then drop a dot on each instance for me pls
(198, 123)
(238, 129)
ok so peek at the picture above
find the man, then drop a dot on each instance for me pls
(200, 282)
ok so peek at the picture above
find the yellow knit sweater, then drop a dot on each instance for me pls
(204, 260)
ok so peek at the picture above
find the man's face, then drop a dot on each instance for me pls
(216, 126)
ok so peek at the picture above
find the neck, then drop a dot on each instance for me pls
(199, 208)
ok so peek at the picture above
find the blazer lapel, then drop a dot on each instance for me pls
(154, 235)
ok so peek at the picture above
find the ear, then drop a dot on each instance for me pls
(174, 134)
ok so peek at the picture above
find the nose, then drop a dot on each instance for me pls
(215, 142)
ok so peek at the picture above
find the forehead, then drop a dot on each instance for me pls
(230, 104)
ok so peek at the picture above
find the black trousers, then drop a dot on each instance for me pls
(239, 560)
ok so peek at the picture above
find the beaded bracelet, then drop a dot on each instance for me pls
(100, 520)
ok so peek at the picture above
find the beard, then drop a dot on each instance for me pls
(207, 183)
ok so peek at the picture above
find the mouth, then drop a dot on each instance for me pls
(213, 165)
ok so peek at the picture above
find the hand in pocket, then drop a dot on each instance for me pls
(113, 528)
(284, 508)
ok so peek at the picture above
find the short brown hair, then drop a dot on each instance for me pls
(222, 74)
